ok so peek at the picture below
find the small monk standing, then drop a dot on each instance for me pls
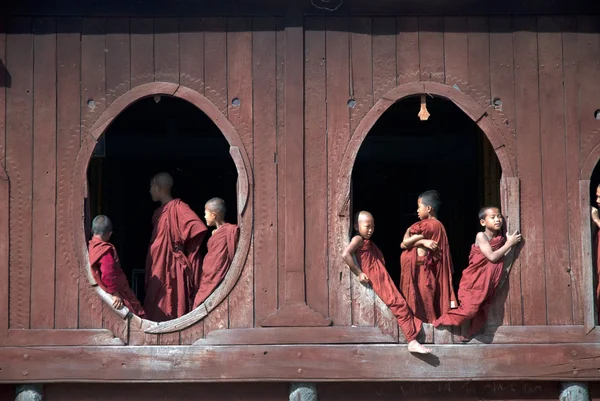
(371, 270)
(221, 249)
(481, 278)
(174, 260)
(596, 246)
(426, 263)
(106, 267)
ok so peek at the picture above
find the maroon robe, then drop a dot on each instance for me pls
(597, 260)
(173, 262)
(107, 271)
(372, 263)
(477, 289)
(426, 282)
(221, 248)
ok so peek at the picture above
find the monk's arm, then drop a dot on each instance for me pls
(348, 254)
(596, 218)
(488, 252)
(410, 241)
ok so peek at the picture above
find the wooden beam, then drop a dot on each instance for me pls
(299, 363)
(58, 337)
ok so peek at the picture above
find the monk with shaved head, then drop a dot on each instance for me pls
(221, 248)
(367, 263)
(174, 261)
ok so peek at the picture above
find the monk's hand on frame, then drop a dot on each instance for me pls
(430, 244)
(514, 239)
(117, 301)
(362, 277)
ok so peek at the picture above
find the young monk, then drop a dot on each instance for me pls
(221, 248)
(596, 248)
(426, 264)
(106, 267)
(174, 260)
(481, 278)
(370, 269)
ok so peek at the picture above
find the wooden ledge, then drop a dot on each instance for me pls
(389, 362)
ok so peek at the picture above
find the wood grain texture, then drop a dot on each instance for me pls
(281, 45)
(166, 50)
(142, 50)
(191, 53)
(528, 137)
(456, 52)
(384, 56)
(19, 163)
(4, 197)
(407, 50)
(118, 58)
(44, 174)
(300, 363)
(554, 177)
(479, 59)
(74, 338)
(67, 144)
(239, 86)
(431, 49)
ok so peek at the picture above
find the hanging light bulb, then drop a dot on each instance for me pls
(423, 114)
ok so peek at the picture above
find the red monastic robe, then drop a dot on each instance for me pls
(426, 282)
(372, 263)
(597, 260)
(477, 289)
(174, 261)
(221, 248)
(106, 269)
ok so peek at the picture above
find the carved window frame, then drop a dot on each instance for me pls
(244, 189)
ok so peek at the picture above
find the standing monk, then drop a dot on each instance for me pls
(596, 246)
(174, 260)
(106, 267)
(371, 270)
(426, 264)
(481, 278)
(221, 248)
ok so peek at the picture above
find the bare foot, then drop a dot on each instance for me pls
(416, 347)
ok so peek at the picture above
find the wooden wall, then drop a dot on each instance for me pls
(62, 73)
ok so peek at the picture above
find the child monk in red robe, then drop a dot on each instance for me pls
(596, 248)
(426, 263)
(481, 278)
(174, 260)
(221, 249)
(106, 267)
(370, 269)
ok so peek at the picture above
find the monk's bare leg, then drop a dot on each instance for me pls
(418, 348)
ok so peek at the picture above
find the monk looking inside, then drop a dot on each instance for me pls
(481, 278)
(173, 263)
(221, 249)
(106, 267)
(426, 263)
(370, 269)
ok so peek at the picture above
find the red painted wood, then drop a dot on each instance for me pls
(142, 50)
(528, 137)
(407, 50)
(191, 53)
(431, 49)
(67, 144)
(479, 56)
(93, 103)
(166, 50)
(315, 165)
(168, 338)
(554, 177)
(384, 56)
(456, 52)
(239, 85)
(215, 75)
(264, 49)
(118, 58)
(280, 57)
(4, 196)
(19, 163)
(573, 157)
(44, 174)
(338, 133)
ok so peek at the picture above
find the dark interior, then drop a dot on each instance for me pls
(402, 157)
(147, 138)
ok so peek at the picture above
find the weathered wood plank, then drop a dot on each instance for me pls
(166, 50)
(554, 177)
(281, 205)
(431, 49)
(191, 53)
(44, 174)
(142, 50)
(19, 163)
(118, 58)
(528, 137)
(239, 86)
(67, 145)
(590, 314)
(535, 335)
(573, 160)
(384, 56)
(59, 338)
(407, 50)
(265, 167)
(4, 193)
(338, 133)
(479, 59)
(300, 362)
(168, 338)
(456, 52)
(93, 104)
